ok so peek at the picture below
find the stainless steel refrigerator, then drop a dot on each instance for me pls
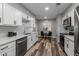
(76, 31)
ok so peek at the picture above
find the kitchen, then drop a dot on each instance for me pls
(11, 37)
(20, 27)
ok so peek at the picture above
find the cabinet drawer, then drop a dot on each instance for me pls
(7, 46)
(9, 52)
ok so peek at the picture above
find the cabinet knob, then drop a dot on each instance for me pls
(14, 22)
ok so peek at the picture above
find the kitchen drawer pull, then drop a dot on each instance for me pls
(67, 46)
(0, 20)
(4, 48)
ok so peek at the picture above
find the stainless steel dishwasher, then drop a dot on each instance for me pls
(21, 46)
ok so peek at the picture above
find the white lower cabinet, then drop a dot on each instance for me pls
(31, 40)
(34, 38)
(8, 49)
(29, 44)
(66, 47)
(9, 52)
(69, 47)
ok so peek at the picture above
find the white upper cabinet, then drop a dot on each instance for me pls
(32, 22)
(9, 15)
(0, 13)
(18, 17)
(29, 21)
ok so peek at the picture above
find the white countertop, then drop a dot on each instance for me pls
(4, 40)
(71, 37)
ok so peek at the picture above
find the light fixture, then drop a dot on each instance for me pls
(58, 4)
(46, 8)
(45, 17)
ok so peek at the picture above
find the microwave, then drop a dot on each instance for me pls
(67, 22)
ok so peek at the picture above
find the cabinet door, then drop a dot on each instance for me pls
(37, 37)
(9, 52)
(29, 41)
(4, 53)
(0, 13)
(8, 49)
(66, 47)
(8, 14)
(34, 37)
(18, 17)
(71, 48)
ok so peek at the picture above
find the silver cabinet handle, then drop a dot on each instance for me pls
(4, 48)
(67, 43)
(0, 19)
(67, 46)
(14, 22)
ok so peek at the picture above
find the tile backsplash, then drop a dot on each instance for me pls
(4, 30)
(3, 33)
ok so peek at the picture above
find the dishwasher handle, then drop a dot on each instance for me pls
(21, 41)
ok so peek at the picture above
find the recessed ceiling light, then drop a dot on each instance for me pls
(45, 17)
(46, 8)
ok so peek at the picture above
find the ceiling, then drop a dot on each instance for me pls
(38, 9)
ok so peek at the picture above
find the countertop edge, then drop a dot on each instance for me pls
(12, 39)
(66, 36)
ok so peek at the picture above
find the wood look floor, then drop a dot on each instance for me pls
(46, 48)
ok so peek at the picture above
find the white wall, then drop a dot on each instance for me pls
(59, 27)
(74, 5)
